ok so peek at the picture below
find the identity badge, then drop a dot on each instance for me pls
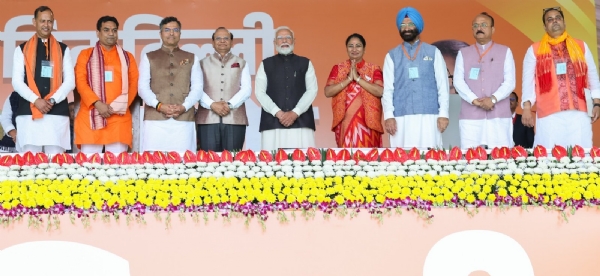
(47, 67)
(474, 74)
(413, 72)
(561, 68)
(108, 74)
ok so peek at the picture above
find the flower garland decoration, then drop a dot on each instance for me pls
(250, 185)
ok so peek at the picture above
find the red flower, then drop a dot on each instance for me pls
(136, 158)
(373, 155)
(42, 158)
(442, 155)
(7, 160)
(202, 156)
(226, 156)
(472, 154)
(540, 151)
(29, 159)
(159, 157)
(173, 157)
(519, 151)
(359, 156)
(110, 158)
(80, 158)
(330, 155)
(595, 152)
(432, 154)
(387, 156)
(400, 155)
(298, 155)
(482, 153)
(414, 154)
(313, 154)
(343, 155)
(62, 158)
(123, 158)
(577, 151)
(250, 156)
(147, 157)
(265, 156)
(19, 160)
(95, 158)
(558, 152)
(281, 155)
(189, 157)
(455, 154)
(213, 157)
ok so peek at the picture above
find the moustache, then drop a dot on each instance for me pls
(480, 32)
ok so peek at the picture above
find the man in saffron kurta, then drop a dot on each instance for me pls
(484, 77)
(556, 71)
(107, 80)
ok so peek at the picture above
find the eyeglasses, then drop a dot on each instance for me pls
(407, 25)
(552, 8)
(283, 38)
(482, 25)
(513, 99)
(168, 30)
(226, 38)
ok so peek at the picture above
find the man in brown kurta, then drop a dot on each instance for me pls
(170, 85)
(221, 117)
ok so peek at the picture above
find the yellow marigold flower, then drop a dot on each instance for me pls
(6, 205)
(502, 192)
(577, 196)
(476, 188)
(470, 198)
(468, 189)
(531, 190)
(525, 199)
(368, 198)
(541, 189)
(380, 198)
(462, 195)
(487, 189)
(491, 197)
(448, 196)
(480, 181)
(439, 199)
(481, 196)
(290, 199)
(512, 189)
(339, 199)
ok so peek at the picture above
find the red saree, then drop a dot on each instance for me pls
(356, 112)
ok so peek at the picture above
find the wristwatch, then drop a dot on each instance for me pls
(493, 100)
(230, 105)
(52, 101)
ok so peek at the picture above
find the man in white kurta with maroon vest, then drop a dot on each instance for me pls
(286, 86)
(556, 70)
(170, 84)
(484, 77)
(43, 76)
(221, 117)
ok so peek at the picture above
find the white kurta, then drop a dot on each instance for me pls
(51, 130)
(169, 135)
(419, 130)
(286, 138)
(496, 132)
(565, 128)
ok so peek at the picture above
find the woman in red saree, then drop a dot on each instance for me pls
(356, 87)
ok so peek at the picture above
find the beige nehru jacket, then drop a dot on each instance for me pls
(222, 80)
(170, 80)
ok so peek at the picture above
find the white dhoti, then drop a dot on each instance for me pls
(50, 130)
(293, 138)
(418, 131)
(497, 132)
(564, 128)
(169, 135)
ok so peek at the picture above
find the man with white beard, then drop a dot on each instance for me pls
(286, 86)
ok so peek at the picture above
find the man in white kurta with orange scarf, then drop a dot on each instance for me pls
(556, 71)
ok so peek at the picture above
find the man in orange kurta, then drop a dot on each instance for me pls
(104, 119)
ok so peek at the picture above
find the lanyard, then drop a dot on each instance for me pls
(416, 52)
(484, 53)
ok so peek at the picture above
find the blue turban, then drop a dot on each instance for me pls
(414, 16)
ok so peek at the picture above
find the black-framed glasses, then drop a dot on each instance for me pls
(513, 99)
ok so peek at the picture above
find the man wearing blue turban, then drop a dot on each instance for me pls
(415, 91)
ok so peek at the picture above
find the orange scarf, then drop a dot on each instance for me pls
(544, 62)
(30, 58)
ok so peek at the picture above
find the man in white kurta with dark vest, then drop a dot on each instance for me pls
(221, 117)
(415, 88)
(170, 84)
(43, 76)
(286, 86)
(484, 77)
(556, 70)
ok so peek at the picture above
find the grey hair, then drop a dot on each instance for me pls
(283, 28)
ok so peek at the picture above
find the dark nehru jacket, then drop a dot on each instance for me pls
(285, 86)
(43, 84)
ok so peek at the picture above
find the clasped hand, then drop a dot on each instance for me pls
(171, 110)
(221, 108)
(286, 118)
(485, 103)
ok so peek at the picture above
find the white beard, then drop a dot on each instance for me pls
(285, 51)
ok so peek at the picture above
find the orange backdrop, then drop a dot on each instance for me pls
(321, 28)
